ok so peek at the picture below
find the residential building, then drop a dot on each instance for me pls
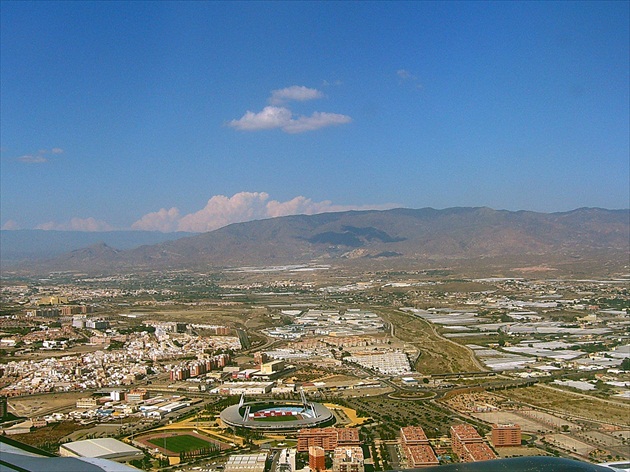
(89, 402)
(412, 436)
(420, 455)
(348, 437)
(246, 388)
(316, 458)
(348, 459)
(325, 438)
(136, 395)
(468, 444)
(506, 435)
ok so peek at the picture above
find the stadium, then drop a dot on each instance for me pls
(277, 415)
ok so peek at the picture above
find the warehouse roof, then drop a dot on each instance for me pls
(104, 448)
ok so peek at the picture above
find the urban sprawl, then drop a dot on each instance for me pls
(300, 368)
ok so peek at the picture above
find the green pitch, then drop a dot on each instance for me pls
(182, 443)
(277, 418)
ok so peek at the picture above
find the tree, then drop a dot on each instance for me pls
(625, 363)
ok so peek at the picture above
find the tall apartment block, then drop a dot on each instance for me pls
(506, 435)
(316, 458)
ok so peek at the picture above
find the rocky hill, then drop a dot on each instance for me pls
(388, 236)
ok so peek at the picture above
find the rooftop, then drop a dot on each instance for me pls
(106, 448)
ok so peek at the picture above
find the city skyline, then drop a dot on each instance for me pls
(190, 116)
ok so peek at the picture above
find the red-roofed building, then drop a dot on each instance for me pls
(468, 445)
(413, 435)
(348, 437)
(327, 438)
(420, 455)
(477, 452)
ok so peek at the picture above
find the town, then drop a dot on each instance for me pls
(306, 367)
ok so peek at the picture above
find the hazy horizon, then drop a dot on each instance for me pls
(86, 227)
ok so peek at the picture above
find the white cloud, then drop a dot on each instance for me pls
(244, 206)
(219, 211)
(40, 156)
(33, 158)
(77, 224)
(164, 220)
(222, 211)
(317, 120)
(295, 92)
(279, 117)
(335, 83)
(297, 206)
(269, 118)
(405, 76)
(11, 225)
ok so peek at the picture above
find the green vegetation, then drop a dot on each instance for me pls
(113, 345)
(182, 443)
(277, 418)
(391, 414)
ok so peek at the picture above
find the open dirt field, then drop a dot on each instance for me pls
(348, 412)
(570, 444)
(603, 439)
(44, 404)
(548, 419)
(237, 315)
(622, 434)
(48, 437)
(438, 355)
(577, 405)
(507, 417)
(519, 451)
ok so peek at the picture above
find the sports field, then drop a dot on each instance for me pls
(277, 418)
(182, 443)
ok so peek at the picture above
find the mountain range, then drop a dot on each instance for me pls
(37, 244)
(390, 237)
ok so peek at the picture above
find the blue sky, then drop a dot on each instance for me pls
(190, 115)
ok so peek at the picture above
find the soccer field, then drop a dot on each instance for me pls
(276, 418)
(181, 443)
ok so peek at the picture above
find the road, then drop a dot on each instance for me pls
(275, 456)
(393, 453)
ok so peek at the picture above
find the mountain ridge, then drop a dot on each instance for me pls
(36, 244)
(399, 234)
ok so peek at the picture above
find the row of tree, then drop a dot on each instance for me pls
(211, 450)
